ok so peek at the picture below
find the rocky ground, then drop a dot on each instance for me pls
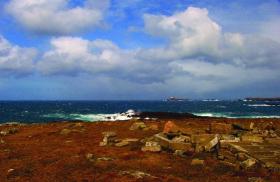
(185, 149)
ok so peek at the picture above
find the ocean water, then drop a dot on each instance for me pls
(47, 111)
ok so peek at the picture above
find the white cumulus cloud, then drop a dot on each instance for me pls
(57, 16)
(15, 60)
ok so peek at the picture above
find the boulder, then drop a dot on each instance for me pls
(181, 138)
(196, 162)
(138, 126)
(162, 140)
(204, 142)
(180, 146)
(244, 125)
(252, 138)
(201, 138)
(171, 127)
(151, 147)
(220, 128)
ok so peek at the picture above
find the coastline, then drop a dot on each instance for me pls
(71, 151)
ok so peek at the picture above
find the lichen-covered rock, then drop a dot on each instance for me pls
(151, 147)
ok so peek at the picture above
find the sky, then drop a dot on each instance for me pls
(139, 49)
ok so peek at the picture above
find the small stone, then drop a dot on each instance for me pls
(248, 163)
(196, 162)
(104, 159)
(151, 147)
(136, 174)
(179, 153)
(90, 157)
(138, 126)
(221, 157)
(65, 131)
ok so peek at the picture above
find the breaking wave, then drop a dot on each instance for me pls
(225, 115)
(93, 117)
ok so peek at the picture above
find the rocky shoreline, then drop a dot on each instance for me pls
(169, 148)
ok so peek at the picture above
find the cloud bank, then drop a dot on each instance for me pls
(197, 56)
(57, 16)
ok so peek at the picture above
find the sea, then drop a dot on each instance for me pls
(90, 111)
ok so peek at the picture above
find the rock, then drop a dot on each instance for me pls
(122, 144)
(181, 138)
(2, 141)
(255, 179)
(252, 138)
(109, 134)
(136, 174)
(104, 159)
(248, 163)
(151, 147)
(220, 128)
(179, 153)
(65, 131)
(170, 127)
(208, 146)
(244, 125)
(90, 157)
(187, 147)
(162, 140)
(242, 156)
(228, 139)
(202, 138)
(221, 157)
(138, 126)
(204, 142)
(130, 140)
(196, 162)
(9, 131)
(108, 139)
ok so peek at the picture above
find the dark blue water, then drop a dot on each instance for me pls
(46, 111)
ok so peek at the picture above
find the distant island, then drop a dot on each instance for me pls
(261, 99)
(176, 99)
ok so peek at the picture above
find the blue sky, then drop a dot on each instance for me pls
(138, 49)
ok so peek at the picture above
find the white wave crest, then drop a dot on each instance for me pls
(261, 105)
(224, 115)
(94, 117)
